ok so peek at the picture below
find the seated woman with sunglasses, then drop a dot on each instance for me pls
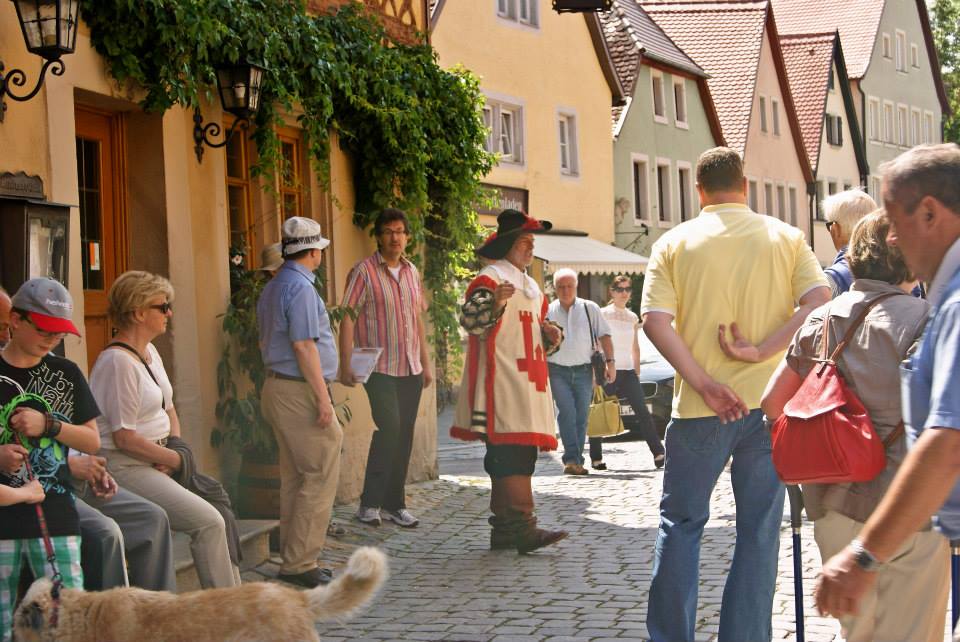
(624, 325)
(135, 396)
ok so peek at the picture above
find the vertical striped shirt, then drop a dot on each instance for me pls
(388, 313)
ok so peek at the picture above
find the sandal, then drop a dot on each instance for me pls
(335, 530)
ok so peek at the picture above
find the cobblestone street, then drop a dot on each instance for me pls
(446, 585)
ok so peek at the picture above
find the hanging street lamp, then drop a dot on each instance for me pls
(49, 30)
(239, 89)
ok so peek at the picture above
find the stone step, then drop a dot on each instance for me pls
(254, 541)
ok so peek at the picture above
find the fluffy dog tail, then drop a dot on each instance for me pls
(361, 579)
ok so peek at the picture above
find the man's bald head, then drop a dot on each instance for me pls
(5, 307)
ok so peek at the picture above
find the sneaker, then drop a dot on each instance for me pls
(575, 469)
(369, 516)
(310, 579)
(401, 517)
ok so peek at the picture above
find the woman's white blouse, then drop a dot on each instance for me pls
(623, 329)
(128, 397)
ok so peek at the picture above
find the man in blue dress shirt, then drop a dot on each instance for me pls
(921, 193)
(300, 357)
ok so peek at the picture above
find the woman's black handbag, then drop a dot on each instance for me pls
(597, 360)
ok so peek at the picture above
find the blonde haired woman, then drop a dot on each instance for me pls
(624, 325)
(135, 396)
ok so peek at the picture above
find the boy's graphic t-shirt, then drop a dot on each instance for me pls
(61, 384)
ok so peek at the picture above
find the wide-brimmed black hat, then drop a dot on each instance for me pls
(510, 225)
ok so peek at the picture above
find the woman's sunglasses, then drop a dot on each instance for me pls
(163, 307)
(618, 289)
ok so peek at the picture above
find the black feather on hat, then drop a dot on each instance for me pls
(510, 225)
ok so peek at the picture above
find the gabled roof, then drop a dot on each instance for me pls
(809, 59)
(858, 22)
(633, 38)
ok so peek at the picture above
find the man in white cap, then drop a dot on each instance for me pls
(300, 358)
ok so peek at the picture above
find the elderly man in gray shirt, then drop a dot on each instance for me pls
(571, 374)
(300, 357)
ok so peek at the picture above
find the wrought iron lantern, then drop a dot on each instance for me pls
(239, 88)
(581, 6)
(49, 30)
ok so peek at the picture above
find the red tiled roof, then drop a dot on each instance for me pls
(809, 62)
(856, 20)
(724, 39)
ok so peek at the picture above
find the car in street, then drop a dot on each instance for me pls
(656, 378)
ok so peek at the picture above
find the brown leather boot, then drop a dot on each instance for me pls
(528, 537)
(502, 531)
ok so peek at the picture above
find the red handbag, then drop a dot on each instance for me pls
(825, 435)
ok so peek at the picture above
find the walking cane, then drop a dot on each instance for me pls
(954, 583)
(796, 523)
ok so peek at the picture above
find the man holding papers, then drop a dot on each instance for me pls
(385, 292)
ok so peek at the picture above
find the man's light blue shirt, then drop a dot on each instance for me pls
(930, 386)
(289, 310)
(577, 346)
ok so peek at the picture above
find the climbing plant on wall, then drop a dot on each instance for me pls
(414, 132)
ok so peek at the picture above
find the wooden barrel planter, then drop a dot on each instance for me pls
(259, 486)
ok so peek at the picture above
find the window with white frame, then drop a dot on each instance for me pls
(873, 119)
(916, 129)
(781, 202)
(763, 113)
(680, 101)
(832, 188)
(569, 164)
(663, 192)
(875, 188)
(659, 100)
(505, 122)
(914, 56)
(901, 53)
(903, 125)
(847, 186)
(641, 198)
(830, 80)
(525, 12)
(887, 49)
(928, 135)
(753, 195)
(821, 191)
(833, 126)
(775, 116)
(888, 123)
(768, 205)
(683, 190)
(792, 191)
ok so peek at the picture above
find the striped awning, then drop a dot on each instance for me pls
(585, 255)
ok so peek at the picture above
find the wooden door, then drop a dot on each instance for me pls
(101, 231)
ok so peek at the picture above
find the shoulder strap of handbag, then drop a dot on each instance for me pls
(848, 336)
(130, 348)
(593, 335)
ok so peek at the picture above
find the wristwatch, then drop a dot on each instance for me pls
(610, 359)
(864, 558)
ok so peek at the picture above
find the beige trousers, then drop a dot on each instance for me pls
(309, 470)
(188, 513)
(909, 599)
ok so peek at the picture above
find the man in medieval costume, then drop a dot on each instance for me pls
(505, 397)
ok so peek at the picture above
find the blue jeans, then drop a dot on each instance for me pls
(697, 451)
(572, 388)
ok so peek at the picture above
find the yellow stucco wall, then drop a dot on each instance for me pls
(38, 137)
(770, 157)
(546, 70)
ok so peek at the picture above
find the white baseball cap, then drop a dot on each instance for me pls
(299, 233)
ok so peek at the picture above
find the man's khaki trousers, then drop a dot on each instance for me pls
(908, 602)
(309, 470)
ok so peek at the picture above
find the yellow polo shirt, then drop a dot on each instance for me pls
(728, 264)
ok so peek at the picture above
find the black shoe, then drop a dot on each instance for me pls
(598, 465)
(659, 460)
(310, 579)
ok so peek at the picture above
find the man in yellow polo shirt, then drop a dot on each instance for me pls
(728, 271)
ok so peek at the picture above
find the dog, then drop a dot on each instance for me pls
(255, 612)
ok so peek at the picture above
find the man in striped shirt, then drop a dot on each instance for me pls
(385, 291)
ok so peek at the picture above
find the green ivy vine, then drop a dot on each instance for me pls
(413, 131)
